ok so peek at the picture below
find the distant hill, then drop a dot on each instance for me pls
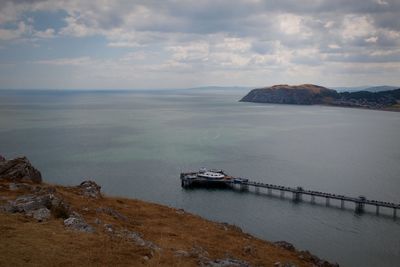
(382, 88)
(305, 94)
(309, 94)
(374, 89)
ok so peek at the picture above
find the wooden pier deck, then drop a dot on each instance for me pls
(190, 180)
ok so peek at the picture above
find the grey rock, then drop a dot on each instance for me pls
(77, 223)
(19, 186)
(285, 245)
(137, 239)
(29, 203)
(109, 228)
(42, 214)
(97, 221)
(19, 169)
(90, 189)
(182, 253)
(228, 262)
(180, 211)
(113, 213)
(7, 208)
(198, 251)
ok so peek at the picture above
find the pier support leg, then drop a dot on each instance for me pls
(327, 201)
(244, 187)
(312, 199)
(360, 204)
(342, 204)
(257, 189)
(377, 210)
(282, 194)
(359, 207)
(269, 191)
(297, 196)
(394, 213)
(185, 183)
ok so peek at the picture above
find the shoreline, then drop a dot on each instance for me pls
(328, 105)
(78, 225)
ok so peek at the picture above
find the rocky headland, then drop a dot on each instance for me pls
(310, 94)
(51, 225)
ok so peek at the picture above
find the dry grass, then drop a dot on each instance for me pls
(25, 242)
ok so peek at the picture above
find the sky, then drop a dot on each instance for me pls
(133, 44)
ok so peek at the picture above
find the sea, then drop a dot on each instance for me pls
(136, 143)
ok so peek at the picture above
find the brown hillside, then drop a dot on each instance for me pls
(183, 239)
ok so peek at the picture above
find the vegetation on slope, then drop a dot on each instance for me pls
(308, 94)
(51, 225)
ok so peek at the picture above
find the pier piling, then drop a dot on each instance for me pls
(191, 179)
(360, 203)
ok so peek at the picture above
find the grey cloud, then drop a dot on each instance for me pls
(314, 32)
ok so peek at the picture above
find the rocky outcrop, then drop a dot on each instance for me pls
(303, 255)
(90, 189)
(77, 222)
(41, 214)
(228, 262)
(306, 94)
(113, 213)
(39, 205)
(285, 245)
(19, 169)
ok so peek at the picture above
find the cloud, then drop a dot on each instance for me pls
(80, 61)
(212, 36)
(48, 33)
(11, 34)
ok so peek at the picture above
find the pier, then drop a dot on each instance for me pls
(192, 180)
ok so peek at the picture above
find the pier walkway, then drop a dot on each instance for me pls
(191, 180)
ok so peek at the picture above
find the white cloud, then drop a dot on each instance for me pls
(355, 26)
(77, 29)
(79, 61)
(48, 33)
(334, 46)
(372, 39)
(382, 2)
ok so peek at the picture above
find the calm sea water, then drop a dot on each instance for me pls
(135, 144)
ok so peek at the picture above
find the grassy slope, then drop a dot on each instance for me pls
(23, 241)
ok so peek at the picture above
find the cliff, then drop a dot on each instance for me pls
(52, 225)
(308, 94)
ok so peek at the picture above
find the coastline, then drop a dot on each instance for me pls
(78, 225)
(310, 94)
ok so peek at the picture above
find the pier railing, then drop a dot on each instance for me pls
(297, 192)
